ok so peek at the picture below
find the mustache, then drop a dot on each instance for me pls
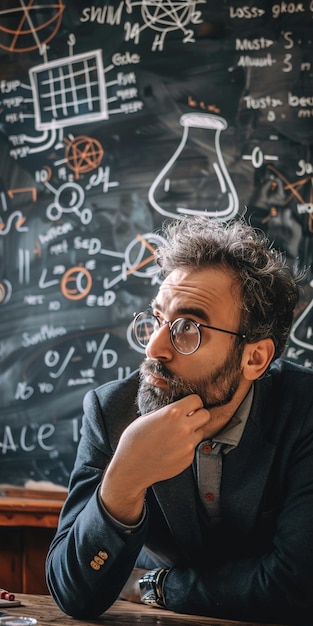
(177, 385)
(149, 366)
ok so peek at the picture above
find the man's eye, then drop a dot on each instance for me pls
(188, 327)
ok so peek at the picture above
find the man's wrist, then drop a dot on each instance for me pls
(151, 587)
(125, 528)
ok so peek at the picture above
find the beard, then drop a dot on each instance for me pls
(216, 389)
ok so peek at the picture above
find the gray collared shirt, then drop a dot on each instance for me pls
(208, 463)
(209, 457)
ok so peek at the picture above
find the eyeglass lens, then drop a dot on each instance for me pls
(185, 335)
(144, 326)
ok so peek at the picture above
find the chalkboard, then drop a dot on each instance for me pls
(115, 116)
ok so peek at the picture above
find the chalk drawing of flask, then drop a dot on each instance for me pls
(195, 180)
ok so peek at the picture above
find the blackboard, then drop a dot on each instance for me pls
(115, 116)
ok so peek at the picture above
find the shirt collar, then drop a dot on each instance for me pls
(231, 434)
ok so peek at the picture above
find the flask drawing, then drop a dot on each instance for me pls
(195, 180)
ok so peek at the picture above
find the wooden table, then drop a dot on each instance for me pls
(122, 613)
(28, 520)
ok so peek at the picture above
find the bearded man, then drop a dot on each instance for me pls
(193, 483)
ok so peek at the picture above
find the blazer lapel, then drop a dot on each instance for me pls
(177, 498)
(246, 469)
(245, 477)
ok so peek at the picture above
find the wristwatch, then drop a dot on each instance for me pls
(150, 584)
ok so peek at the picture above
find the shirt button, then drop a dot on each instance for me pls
(207, 448)
(209, 496)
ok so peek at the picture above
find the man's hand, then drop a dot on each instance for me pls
(154, 447)
(131, 591)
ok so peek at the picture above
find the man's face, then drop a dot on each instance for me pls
(214, 370)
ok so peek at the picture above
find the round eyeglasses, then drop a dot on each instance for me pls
(185, 334)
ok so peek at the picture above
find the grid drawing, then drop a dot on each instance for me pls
(69, 91)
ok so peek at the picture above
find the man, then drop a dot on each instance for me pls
(193, 483)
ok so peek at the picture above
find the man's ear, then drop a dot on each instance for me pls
(256, 358)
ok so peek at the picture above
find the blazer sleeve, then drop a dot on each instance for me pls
(90, 558)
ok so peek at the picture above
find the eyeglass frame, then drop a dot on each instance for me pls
(179, 319)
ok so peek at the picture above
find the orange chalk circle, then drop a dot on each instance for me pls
(83, 154)
(29, 25)
(5, 291)
(2, 292)
(76, 275)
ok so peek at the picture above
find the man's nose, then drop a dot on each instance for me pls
(160, 347)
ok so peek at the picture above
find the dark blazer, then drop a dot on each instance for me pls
(256, 565)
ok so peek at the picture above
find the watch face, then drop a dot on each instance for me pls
(149, 597)
(147, 590)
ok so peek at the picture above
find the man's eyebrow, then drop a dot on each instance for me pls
(191, 311)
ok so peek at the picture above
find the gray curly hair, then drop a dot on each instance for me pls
(268, 287)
